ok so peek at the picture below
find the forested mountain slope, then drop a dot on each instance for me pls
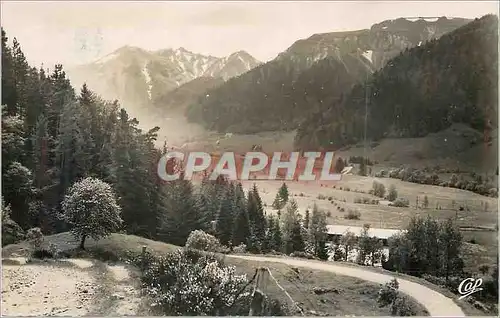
(425, 89)
(178, 99)
(311, 74)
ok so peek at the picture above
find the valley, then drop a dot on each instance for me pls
(408, 105)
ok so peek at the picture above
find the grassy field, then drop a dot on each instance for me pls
(478, 220)
(349, 296)
(456, 147)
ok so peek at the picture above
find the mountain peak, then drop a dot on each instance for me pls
(131, 74)
(128, 48)
(243, 54)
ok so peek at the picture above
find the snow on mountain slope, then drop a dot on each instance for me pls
(378, 44)
(136, 77)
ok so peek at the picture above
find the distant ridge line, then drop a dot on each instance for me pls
(431, 17)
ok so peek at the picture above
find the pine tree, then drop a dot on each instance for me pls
(307, 219)
(256, 215)
(9, 93)
(283, 192)
(292, 229)
(51, 138)
(242, 224)
(181, 216)
(318, 233)
(297, 238)
(281, 197)
(277, 237)
(241, 231)
(225, 218)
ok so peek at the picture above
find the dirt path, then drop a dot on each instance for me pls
(73, 287)
(435, 303)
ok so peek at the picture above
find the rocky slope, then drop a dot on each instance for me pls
(136, 77)
(186, 94)
(376, 45)
(423, 90)
(262, 96)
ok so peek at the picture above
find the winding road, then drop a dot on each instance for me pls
(436, 304)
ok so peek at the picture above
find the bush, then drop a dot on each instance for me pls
(42, 254)
(378, 189)
(400, 202)
(302, 255)
(35, 237)
(393, 193)
(381, 174)
(242, 248)
(202, 241)
(321, 197)
(352, 215)
(493, 192)
(402, 307)
(365, 201)
(439, 281)
(191, 283)
(11, 231)
(389, 295)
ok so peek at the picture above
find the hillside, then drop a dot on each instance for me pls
(312, 73)
(424, 90)
(108, 295)
(136, 77)
(186, 94)
(276, 102)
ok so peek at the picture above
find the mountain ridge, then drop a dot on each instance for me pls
(260, 96)
(136, 76)
(423, 90)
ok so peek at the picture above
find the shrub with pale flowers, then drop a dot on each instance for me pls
(188, 282)
(203, 241)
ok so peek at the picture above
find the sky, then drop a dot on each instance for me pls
(79, 32)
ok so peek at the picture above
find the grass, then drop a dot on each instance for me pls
(352, 296)
(474, 222)
(467, 308)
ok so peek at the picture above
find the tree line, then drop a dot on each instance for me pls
(53, 137)
(57, 145)
(423, 90)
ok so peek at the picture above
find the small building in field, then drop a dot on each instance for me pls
(347, 170)
(335, 232)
